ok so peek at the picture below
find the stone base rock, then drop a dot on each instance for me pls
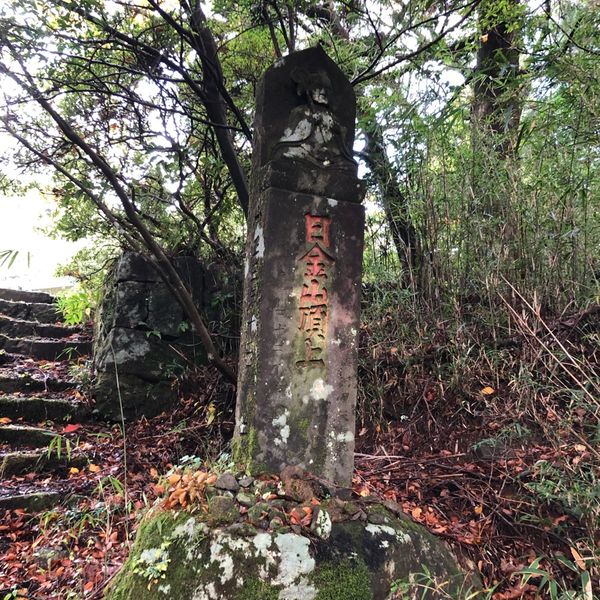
(177, 556)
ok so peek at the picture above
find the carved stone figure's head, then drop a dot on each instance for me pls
(316, 86)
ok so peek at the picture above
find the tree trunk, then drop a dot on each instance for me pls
(496, 108)
(395, 203)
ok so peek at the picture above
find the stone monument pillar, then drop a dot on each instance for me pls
(298, 358)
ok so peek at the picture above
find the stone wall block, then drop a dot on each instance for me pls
(164, 313)
(135, 352)
(131, 303)
(134, 266)
(137, 324)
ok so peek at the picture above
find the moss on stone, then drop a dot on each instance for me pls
(256, 589)
(152, 532)
(243, 449)
(347, 580)
(303, 425)
(358, 561)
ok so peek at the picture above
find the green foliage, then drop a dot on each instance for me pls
(8, 258)
(152, 563)
(14, 593)
(576, 490)
(88, 266)
(549, 586)
(80, 373)
(111, 484)
(76, 307)
(423, 585)
(351, 581)
(256, 589)
(60, 446)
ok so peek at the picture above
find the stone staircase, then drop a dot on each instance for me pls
(38, 398)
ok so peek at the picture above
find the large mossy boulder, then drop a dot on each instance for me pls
(143, 339)
(229, 551)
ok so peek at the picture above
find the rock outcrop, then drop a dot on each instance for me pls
(143, 339)
(254, 544)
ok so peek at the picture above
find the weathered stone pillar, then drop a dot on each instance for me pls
(298, 358)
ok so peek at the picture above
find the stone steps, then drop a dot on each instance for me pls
(33, 501)
(35, 409)
(26, 435)
(45, 349)
(30, 311)
(18, 328)
(24, 296)
(30, 330)
(6, 358)
(18, 462)
(11, 383)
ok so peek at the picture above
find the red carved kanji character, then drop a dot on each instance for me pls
(316, 260)
(312, 352)
(313, 294)
(317, 229)
(313, 318)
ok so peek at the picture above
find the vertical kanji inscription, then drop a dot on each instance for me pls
(317, 266)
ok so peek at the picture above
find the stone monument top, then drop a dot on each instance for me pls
(305, 130)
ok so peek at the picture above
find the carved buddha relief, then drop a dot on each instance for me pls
(313, 133)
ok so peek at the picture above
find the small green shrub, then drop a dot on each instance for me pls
(76, 307)
(153, 563)
(550, 587)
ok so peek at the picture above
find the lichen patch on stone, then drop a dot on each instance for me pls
(207, 592)
(302, 590)
(295, 559)
(379, 529)
(189, 529)
(347, 436)
(260, 241)
(221, 554)
(320, 390)
(323, 524)
(284, 428)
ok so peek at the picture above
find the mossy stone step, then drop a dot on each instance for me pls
(45, 349)
(25, 435)
(39, 409)
(11, 383)
(30, 311)
(30, 501)
(6, 358)
(18, 328)
(29, 461)
(26, 296)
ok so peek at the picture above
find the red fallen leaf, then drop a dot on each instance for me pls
(296, 516)
(71, 428)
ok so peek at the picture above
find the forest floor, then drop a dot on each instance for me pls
(456, 472)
